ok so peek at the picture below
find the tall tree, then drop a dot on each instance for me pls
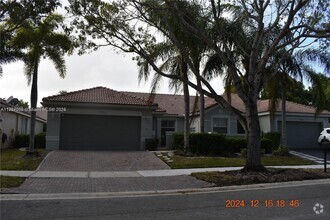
(15, 14)
(325, 81)
(35, 40)
(296, 66)
(173, 63)
(263, 28)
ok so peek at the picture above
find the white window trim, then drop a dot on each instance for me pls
(169, 119)
(221, 117)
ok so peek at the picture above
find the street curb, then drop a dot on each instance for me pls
(43, 160)
(104, 195)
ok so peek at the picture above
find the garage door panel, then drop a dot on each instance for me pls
(302, 134)
(96, 132)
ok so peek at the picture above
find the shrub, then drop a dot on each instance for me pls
(201, 143)
(178, 141)
(282, 151)
(40, 141)
(22, 140)
(267, 145)
(235, 144)
(151, 143)
(243, 152)
(216, 144)
(274, 137)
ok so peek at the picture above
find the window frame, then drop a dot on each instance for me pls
(220, 117)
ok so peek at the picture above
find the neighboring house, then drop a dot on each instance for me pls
(103, 119)
(13, 121)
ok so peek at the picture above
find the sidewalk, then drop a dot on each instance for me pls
(142, 173)
(56, 182)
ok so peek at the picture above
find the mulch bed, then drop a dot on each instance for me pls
(239, 177)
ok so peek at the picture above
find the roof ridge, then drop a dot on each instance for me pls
(75, 92)
(139, 98)
(147, 93)
(308, 106)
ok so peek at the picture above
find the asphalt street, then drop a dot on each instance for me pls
(271, 202)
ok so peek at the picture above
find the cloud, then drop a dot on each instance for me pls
(101, 68)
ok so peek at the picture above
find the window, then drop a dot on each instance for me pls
(166, 125)
(240, 129)
(220, 125)
(24, 125)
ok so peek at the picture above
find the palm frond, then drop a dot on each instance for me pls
(213, 67)
(58, 59)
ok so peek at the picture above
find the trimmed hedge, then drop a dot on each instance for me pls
(201, 143)
(40, 140)
(22, 140)
(151, 143)
(216, 144)
(275, 137)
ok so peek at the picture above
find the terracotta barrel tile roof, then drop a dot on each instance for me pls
(100, 95)
(169, 103)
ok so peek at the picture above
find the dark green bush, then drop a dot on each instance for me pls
(267, 145)
(178, 141)
(235, 144)
(22, 140)
(207, 144)
(243, 152)
(40, 141)
(152, 143)
(202, 143)
(282, 151)
(275, 137)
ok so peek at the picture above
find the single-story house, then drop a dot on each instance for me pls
(104, 119)
(14, 120)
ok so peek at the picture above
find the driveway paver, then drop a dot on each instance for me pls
(119, 184)
(101, 161)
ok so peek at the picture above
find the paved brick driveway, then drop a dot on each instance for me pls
(86, 185)
(101, 161)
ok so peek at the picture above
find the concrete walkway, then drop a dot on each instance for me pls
(141, 173)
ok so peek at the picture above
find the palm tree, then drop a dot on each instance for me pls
(36, 40)
(295, 66)
(174, 63)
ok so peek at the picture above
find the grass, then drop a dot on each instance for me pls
(181, 162)
(13, 159)
(10, 181)
(230, 178)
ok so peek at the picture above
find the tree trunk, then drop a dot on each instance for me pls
(283, 135)
(201, 108)
(186, 129)
(34, 99)
(253, 160)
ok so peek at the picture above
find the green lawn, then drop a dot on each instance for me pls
(10, 181)
(13, 159)
(180, 162)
